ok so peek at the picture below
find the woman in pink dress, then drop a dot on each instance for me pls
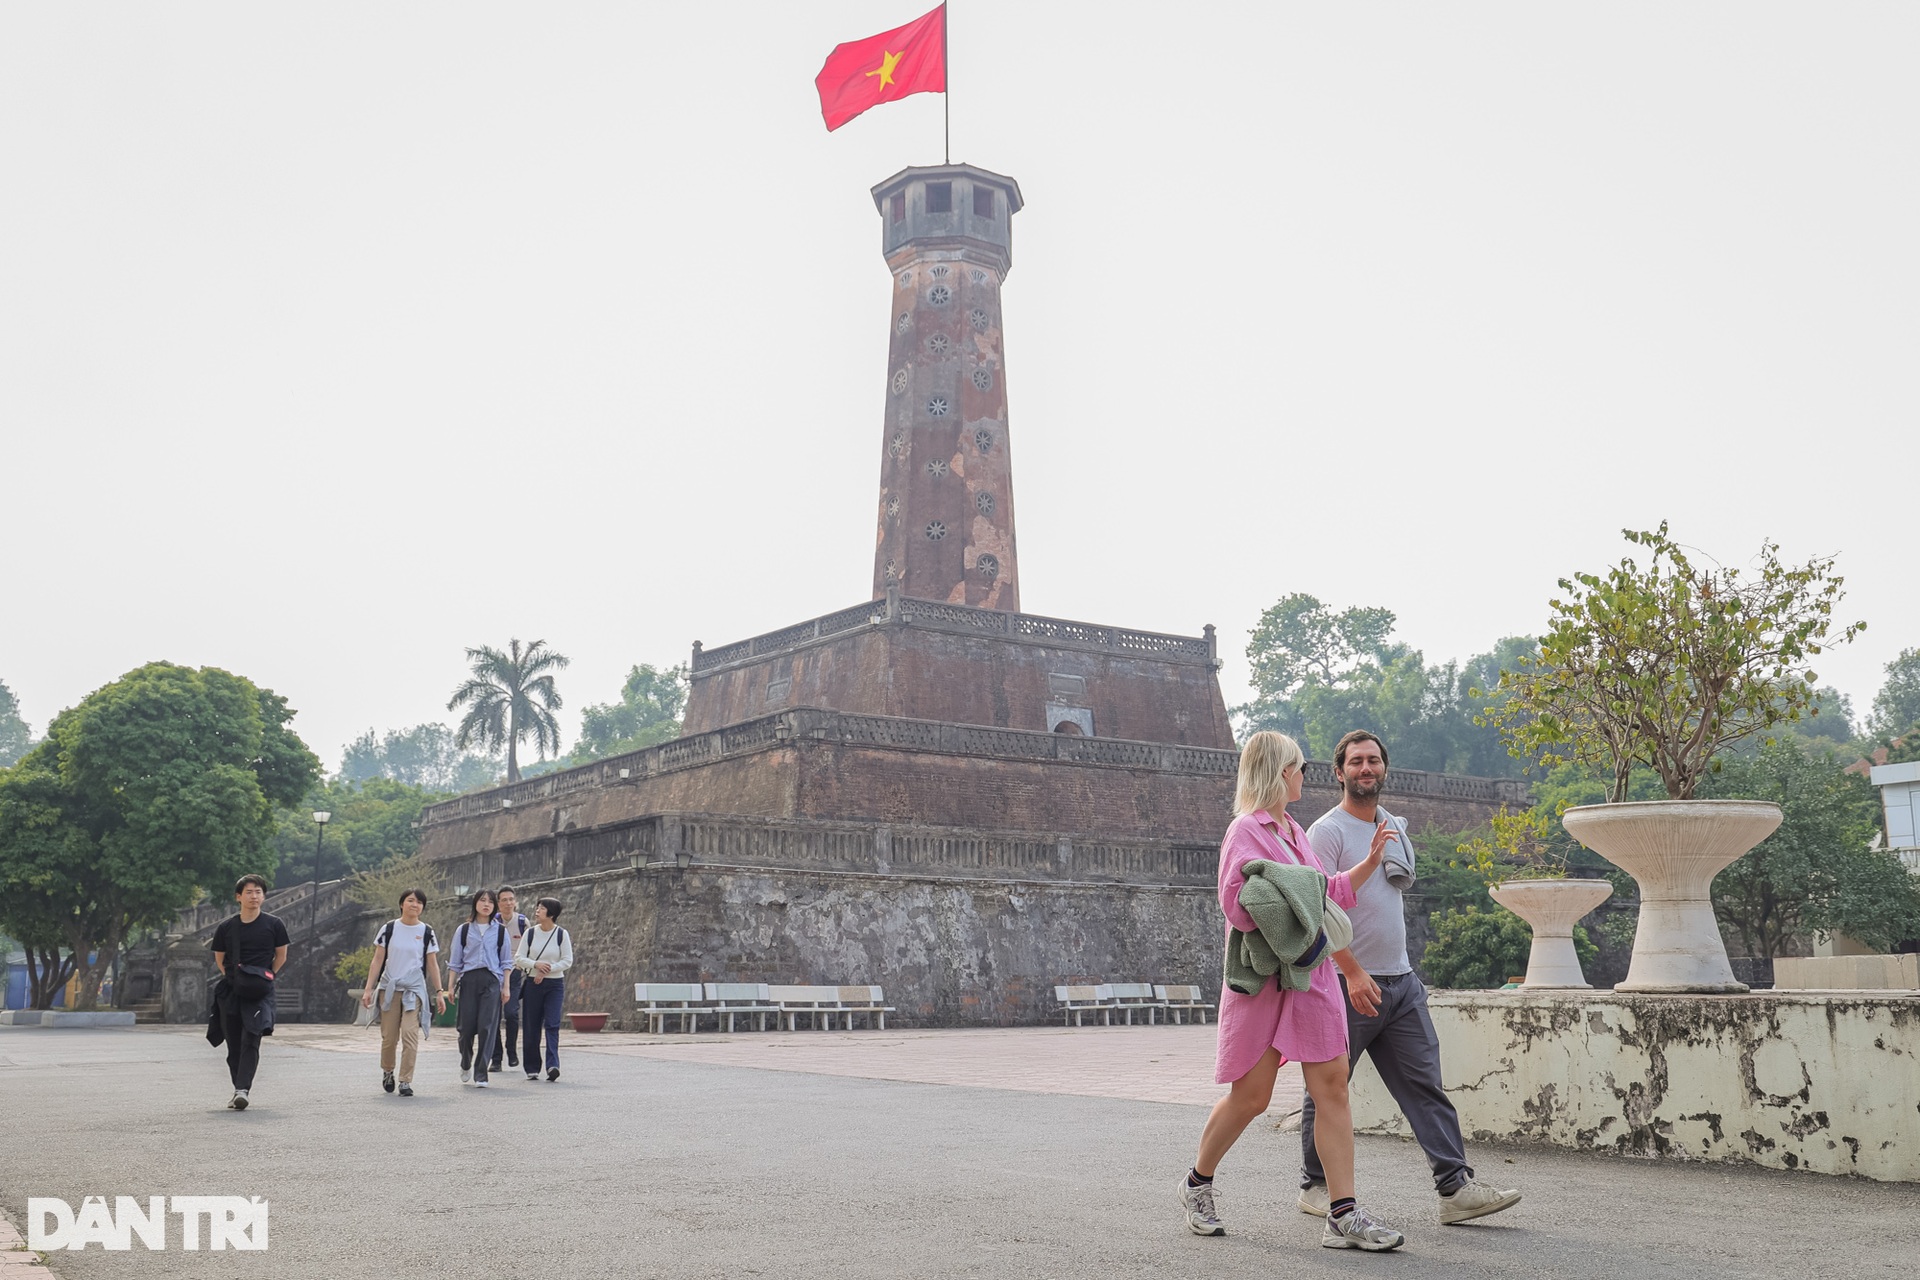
(1259, 1032)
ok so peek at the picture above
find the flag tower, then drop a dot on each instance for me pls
(946, 480)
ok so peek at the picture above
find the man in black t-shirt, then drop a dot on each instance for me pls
(256, 940)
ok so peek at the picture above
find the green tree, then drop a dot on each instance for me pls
(1475, 949)
(510, 697)
(1666, 666)
(15, 735)
(155, 789)
(369, 823)
(1896, 708)
(423, 756)
(1816, 871)
(647, 714)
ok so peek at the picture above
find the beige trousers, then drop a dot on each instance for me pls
(402, 1027)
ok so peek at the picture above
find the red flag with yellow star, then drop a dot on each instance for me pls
(884, 68)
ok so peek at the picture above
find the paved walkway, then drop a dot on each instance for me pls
(856, 1155)
(1140, 1064)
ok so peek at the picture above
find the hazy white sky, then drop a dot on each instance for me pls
(337, 337)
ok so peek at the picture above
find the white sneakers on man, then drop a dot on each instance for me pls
(1474, 1199)
(1359, 1229)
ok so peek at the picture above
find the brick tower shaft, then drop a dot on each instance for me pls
(946, 477)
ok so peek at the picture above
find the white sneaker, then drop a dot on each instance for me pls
(1475, 1199)
(479, 1084)
(466, 1075)
(1359, 1230)
(239, 1102)
(1198, 1202)
(1313, 1199)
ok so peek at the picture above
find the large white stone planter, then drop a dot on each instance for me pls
(1552, 908)
(1674, 848)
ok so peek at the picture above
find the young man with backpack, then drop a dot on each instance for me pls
(249, 949)
(405, 954)
(508, 1043)
(478, 972)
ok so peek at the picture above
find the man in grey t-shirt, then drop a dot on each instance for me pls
(1387, 1016)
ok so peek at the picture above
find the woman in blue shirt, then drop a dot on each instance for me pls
(481, 956)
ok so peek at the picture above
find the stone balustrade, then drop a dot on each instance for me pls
(964, 620)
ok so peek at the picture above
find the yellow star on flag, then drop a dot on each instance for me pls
(888, 61)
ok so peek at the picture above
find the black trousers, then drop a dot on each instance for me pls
(479, 1019)
(508, 1044)
(243, 1049)
(1406, 1052)
(543, 1001)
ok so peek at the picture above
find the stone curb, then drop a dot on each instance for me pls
(15, 1258)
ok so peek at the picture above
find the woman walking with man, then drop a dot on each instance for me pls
(482, 953)
(1297, 1014)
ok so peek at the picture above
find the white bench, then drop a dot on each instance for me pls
(824, 1003)
(1131, 998)
(1180, 1001)
(1111, 1000)
(659, 1001)
(729, 1000)
(1077, 1002)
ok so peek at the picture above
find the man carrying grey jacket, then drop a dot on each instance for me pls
(1389, 1021)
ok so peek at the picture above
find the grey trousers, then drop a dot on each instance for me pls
(479, 1019)
(1406, 1052)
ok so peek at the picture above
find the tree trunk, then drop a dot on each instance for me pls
(47, 972)
(92, 975)
(513, 745)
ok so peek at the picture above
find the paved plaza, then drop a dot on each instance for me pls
(1018, 1153)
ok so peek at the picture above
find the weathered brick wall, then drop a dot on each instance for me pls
(1002, 681)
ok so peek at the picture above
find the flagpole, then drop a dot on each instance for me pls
(946, 93)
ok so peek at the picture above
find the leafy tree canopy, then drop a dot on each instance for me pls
(155, 788)
(510, 697)
(1896, 708)
(15, 736)
(424, 756)
(647, 714)
(368, 823)
(1816, 872)
(1667, 665)
(1318, 673)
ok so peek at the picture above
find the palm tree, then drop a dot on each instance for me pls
(510, 696)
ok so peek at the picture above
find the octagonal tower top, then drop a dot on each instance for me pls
(949, 206)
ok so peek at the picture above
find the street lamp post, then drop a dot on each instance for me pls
(320, 819)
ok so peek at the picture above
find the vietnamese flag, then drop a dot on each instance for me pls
(884, 68)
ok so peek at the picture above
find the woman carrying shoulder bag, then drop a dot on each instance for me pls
(544, 955)
(481, 956)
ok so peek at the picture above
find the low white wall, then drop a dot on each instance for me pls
(1791, 1080)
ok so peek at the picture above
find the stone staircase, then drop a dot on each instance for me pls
(147, 1011)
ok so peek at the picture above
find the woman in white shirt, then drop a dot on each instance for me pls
(545, 954)
(406, 965)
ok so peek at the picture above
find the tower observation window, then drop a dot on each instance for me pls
(983, 202)
(897, 207)
(939, 197)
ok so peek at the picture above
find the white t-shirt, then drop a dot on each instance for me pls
(407, 949)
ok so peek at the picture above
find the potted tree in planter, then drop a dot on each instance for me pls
(1662, 667)
(1528, 877)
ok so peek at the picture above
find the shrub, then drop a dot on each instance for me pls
(354, 965)
(1474, 949)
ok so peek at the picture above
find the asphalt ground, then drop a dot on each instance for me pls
(635, 1164)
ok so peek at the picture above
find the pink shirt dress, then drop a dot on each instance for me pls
(1305, 1026)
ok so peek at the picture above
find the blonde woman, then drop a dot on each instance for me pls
(1259, 1032)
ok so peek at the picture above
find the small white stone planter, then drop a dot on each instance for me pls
(1552, 908)
(1674, 848)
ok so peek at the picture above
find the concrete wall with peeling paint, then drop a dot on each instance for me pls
(1784, 1079)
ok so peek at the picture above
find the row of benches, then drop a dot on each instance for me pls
(725, 1001)
(659, 1002)
(1125, 999)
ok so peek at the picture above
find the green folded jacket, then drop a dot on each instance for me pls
(1287, 902)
